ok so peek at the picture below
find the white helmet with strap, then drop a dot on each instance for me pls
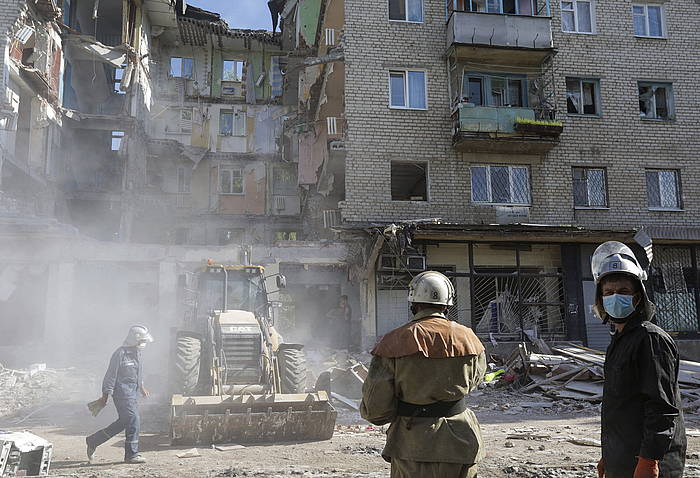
(431, 287)
(138, 334)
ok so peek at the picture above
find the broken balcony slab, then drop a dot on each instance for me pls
(86, 48)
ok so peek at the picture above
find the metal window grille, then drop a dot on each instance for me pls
(332, 123)
(330, 36)
(674, 288)
(589, 187)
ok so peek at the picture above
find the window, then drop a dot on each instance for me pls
(582, 97)
(182, 67)
(409, 181)
(577, 16)
(232, 70)
(648, 20)
(232, 123)
(512, 7)
(231, 236)
(491, 90)
(117, 78)
(406, 10)
(663, 189)
(185, 124)
(407, 90)
(117, 137)
(184, 180)
(285, 236)
(285, 180)
(330, 36)
(655, 101)
(501, 185)
(590, 188)
(230, 180)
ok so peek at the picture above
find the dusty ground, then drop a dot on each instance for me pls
(354, 451)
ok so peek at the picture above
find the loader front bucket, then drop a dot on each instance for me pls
(272, 418)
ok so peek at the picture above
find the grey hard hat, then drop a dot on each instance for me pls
(137, 334)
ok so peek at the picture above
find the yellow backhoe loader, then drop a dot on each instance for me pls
(234, 380)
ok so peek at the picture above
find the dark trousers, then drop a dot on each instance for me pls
(128, 421)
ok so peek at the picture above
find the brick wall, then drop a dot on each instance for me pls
(9, 13)
(618, 139)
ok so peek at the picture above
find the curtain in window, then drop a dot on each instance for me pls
(583, 10)
(416, 89)
(568, 23)
(225, 181)
(239, 124)
(415, 10)
(480, 189)
(226, 124)
(398, 95)
(589, 99)
(655, 21)
(188, 68)
(276, 78)
(573, 96)
(640, 21)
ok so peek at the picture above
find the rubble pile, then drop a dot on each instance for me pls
(26, 388)
(573, 373)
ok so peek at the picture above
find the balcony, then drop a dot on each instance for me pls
(489, 129)
(523, 39)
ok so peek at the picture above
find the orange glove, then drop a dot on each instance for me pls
(601, 468)
(646, 468)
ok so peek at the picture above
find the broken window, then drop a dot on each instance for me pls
(406, 10)
(230, 180)
(184, 179)
(508, 185)
(182, 67)
(232, 123)
(232, 70)
(648, 20)
(285, 236)
(590, 188)
(409, 181)
(231, 236)
(284, 179)
(117, 77)
(663, 189)
(577, 16)
(483, 89)
(582, 96)
(117, 137)
(655, 100)
(407, 90)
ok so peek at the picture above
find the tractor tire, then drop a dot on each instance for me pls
(187, 362)
(292, 366)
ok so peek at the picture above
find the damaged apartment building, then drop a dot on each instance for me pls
(139, 139)
(500, 142)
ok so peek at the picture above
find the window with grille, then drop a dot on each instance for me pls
(656, 101)
(590, 187)
(648, 20)
(507, 185)
(406, 10)
(674, 287)
(582, 96)
(230, 180)
(577, 16)
(663, 189)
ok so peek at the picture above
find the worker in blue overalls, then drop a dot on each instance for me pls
(124, 382)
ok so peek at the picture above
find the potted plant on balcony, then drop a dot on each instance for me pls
(538, 127)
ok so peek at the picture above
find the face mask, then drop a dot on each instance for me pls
(618, 306)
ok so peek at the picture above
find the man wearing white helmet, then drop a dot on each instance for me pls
(417, 381)
(642, 430)
(124, 382)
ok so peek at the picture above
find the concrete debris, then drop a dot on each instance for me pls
(585, 441)
(24, 454)
(227, 447)
(340, 373)
(191, 453)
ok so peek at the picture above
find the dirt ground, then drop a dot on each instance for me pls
(526, 436)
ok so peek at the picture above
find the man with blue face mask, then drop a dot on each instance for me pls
(642, 430)
(124, 382)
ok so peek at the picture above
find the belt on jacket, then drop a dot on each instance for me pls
(437, 409)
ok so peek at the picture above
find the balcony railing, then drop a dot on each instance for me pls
(498, 129)
(500, 30)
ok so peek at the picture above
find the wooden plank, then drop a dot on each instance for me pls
(553, 379)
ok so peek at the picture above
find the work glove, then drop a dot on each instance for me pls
(646, 468)
(601, 468)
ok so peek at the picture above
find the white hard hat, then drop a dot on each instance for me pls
(612, 257)
(137, 334)
(431, 287)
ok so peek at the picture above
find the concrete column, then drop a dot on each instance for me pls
(59, 335)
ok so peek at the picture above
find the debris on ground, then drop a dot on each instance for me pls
(191, 453)
(24, 454)
(340, 373)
